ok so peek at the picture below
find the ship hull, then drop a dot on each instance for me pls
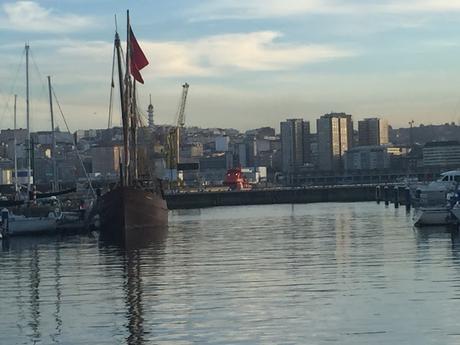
(130, 214)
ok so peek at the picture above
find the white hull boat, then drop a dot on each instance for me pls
(42, 217)
(425, 216)
(22, 225)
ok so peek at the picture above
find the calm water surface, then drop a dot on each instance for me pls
(344, 273)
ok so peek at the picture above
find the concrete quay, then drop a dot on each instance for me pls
(349, 193)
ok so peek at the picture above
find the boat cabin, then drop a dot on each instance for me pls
(450, 176)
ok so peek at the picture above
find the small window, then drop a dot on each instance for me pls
(445, 178)
(457, 178)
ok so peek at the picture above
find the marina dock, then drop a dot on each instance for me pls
(349, 193)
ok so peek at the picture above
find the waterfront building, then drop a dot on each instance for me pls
(334, 138)
(7, 135)
(106, 159)
(214, 167)
(7, 149)
(255, 174)
(373, 157)
(372, 131)
(192, 150)
(241, 151)
(251, 150)
(85, 133)
(221, 143)
(441, 153)
(295, 144)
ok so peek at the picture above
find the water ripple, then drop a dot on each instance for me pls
(281, 274)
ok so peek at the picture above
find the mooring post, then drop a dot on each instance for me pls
(396, 197)
(378, 194)
(407, 198)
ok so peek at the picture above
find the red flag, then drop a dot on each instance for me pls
(138, 59)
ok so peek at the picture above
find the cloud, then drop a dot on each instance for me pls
(257, 9)
(211, 56)
(30, 16)
(229, 53)
(74, 62)
(81, 70)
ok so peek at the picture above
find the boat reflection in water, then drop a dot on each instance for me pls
(141, 238)
(132, 253)
(41, 280)
(133, 297)
(28, 285)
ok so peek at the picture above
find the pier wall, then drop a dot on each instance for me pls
(272, 196)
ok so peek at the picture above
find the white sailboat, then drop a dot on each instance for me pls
(35, 216)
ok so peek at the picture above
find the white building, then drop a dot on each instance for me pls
(255, 174)
(441, 153)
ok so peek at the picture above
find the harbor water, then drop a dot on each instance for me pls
(325, 273)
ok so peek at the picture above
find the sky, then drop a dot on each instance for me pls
(249, 63)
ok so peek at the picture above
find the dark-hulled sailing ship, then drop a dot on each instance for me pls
(135, 208)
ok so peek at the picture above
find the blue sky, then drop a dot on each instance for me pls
(248, 63)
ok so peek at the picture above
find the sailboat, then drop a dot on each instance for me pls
(31, 216)
(135, 208)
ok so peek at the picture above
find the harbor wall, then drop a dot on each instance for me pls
(271, 196)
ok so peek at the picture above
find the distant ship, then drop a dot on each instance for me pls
(135, 208)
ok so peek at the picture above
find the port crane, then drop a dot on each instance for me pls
(174, 135)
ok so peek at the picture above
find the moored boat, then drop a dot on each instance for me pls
(134, 207)
(40, 218)
(435, 201)
(434, 215)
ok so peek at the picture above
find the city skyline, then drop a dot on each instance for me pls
(249, 64)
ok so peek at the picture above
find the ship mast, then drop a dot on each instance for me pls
(124, 115)
(53, 139)
(129, 172)
(131, 105)
(16, 189)
(134, 132)
(28, 141)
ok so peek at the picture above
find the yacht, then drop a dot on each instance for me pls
(435, 201)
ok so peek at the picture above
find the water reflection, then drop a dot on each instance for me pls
(136, 239)
(131, 253)
(133, 290)
(57, 287)
(34, 301)
(28, 248)
(314, 274)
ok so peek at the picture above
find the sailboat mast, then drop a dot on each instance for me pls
(129, 103)
(124, 114)
(134, 132)
(29, 148)
(16, 189)
(53, 139)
